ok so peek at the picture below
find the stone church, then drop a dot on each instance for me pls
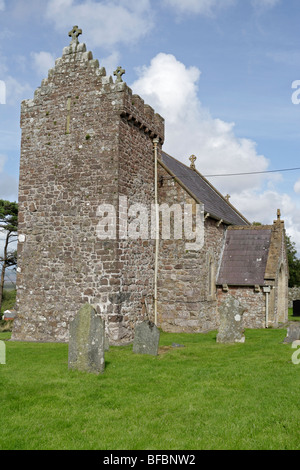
(89, 144)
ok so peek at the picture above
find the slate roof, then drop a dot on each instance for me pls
(214, 203)
(245, 256)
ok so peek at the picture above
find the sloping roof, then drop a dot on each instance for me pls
(245, 256)
(214, 203)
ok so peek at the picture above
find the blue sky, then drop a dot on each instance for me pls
(219, 71)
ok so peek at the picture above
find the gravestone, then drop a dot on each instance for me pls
(2, 353)
(296, 308)
(293, 333)
(231, 328)
(87, 341)
(146, 338)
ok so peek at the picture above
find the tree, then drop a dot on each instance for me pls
(294, 263)
(9, 225)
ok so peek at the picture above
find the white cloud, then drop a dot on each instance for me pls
(297, 187)
(111, 62)
(2, 5)
(190, 129)
(16, 91)
(262, 207)
(8, 184)
(2, 161)
(202, 7)
(261, 5)
(210, 7)
(42, 62)
(9, 187)
(104, 24)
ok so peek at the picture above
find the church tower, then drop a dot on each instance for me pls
(87, 146)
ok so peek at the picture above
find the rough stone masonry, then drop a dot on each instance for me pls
(85, 140)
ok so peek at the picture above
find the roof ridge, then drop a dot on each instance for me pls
(211, 186)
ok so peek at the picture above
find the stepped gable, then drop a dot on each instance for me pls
(69, 69)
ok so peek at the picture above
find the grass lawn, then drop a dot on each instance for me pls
(291, 317)
(203, 396)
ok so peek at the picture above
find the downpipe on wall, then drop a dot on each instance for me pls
(267, 291)
(155, 143)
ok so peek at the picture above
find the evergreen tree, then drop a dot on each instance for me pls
(9, 226)
(294, 263)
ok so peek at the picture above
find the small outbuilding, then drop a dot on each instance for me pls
(254, 269)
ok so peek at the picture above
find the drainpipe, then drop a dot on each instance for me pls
(267, 291)
(156, 142)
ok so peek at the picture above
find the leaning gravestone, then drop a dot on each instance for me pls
(293, 333)
(231, 328)
(87, 341)
(146, 338)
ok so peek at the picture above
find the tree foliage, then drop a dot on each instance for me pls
(9, 226)
(294, 263)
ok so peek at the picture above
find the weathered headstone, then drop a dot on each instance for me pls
(87, 341)
(293, 333)
(2, 353)
(146, 338)
(231, 328)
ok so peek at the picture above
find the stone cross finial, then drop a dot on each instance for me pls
(193, 158)
(227, 197)
(118, 73)
(74, 34)
(278, 214)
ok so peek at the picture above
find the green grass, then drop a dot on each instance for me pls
(203, 396)
(291, 317)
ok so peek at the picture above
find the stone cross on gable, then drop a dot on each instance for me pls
(278, 214)
(118, 73)
(74, 34)
(193, 158)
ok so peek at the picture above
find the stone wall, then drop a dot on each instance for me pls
(277, 271)
(294, 294)
(86, 141)
(254, 303)
(186, 302)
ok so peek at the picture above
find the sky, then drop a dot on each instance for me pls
(225, 75)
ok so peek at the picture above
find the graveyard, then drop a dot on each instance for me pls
(148, 299)
(201, 395)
